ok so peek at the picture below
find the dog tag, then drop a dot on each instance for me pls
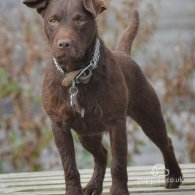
(82, 113)
(73, 91)
(73, 96)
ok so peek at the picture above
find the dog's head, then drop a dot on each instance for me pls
(70, 26)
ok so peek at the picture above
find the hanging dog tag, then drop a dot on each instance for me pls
(73, 95)
(82, 113)
(73, 100)
(73, 91)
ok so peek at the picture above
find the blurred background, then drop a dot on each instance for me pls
(164, 48)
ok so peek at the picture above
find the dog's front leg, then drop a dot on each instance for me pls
(64, 143)
(93, 144)
(118, 140)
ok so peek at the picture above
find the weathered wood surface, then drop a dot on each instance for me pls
(141, 181)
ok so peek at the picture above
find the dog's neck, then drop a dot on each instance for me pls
(89, 61)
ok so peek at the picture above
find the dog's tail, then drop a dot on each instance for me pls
(126, 40)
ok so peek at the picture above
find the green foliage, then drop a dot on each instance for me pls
(84, 158)
(7, 86)
(171, 127)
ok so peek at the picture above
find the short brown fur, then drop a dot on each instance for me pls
(118, 88)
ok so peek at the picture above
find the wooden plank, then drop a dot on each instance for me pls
(165, 193)
(141, 169)
(52, 183)
(60, 174)
(106, 185)
(61, 177)
(146, 190)
(107, 181)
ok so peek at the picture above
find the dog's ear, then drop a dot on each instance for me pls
(95, 7)
(40, 5)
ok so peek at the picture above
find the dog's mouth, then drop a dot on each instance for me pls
(69, 62)
(64, 57)
(76, 58)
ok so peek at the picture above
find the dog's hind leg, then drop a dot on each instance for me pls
(118, 140)
(146, 111)
(93, 144)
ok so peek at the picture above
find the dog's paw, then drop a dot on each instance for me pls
(74, 191)
(93, 188)
(173, 179)
(117, 190)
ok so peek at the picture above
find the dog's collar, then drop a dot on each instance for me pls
(81, 74)
(58, 67)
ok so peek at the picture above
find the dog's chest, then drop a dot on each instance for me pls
(90, 124)
(100, 101)
(57, 102)
(98, 108)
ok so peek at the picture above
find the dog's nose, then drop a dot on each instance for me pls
(64, 44)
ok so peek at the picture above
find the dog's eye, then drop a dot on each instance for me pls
(53, 22)
(81, 21)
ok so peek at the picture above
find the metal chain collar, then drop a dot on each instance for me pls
(92, 65)
(82, 77)
(57, 66)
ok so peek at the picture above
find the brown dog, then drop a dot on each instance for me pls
(91, 89)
